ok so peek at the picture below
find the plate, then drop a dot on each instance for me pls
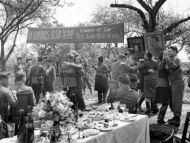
(91, 132)
(127, 119)
(102, 128)
(88, 109)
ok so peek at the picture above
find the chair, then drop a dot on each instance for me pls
(24, 100)
(161, 133)
(132, 106)
(182, 138)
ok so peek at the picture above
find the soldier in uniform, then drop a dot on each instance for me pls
(19, 66)
(51, 76)
(68, 76)
(86, 77)
(37, 78)
(6, 96)
(125, 94)
(177, 84)
(27, 68)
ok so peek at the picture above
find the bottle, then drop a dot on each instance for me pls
(29, 126)
(21, 128)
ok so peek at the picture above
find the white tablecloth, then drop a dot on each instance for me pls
(126, 132)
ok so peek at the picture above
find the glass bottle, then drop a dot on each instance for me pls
(21, 128)
(29, 126)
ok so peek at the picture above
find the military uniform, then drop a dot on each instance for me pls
(51, 79)
(177, 86)
(37, 78)
(6, 97)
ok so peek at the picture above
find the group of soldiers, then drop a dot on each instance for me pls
(41, 76)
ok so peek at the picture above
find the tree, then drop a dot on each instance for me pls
(106, 15)
(149, 18)
(179, 34)
(17, 15)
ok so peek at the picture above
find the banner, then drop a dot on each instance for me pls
(113, 33)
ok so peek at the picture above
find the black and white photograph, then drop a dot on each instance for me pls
(94, 71)
(137, 43)
(155, 43)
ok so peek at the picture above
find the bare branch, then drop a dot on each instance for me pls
(174, 25)
(158, 6)
(13, 46)
(22, 19)
(140, 12)
(145, 6)
(18, 16)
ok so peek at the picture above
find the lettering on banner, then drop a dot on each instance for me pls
(90, 36)
(105, 33)
(56, 34)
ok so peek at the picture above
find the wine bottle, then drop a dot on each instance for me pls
(29, 126)
(21, 129)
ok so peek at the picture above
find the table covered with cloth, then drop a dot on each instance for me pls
(136, 131)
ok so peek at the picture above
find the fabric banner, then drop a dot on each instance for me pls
(113, 33)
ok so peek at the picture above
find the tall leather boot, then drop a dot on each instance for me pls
(99, 97)
(154, 107)
(161, 114)
(104, 97)
(148, 110)
(175, 121)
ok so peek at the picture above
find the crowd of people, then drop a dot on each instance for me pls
(127, 79)
(131, 81)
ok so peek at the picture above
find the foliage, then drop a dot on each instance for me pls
(149, 14)
(179, 34)
(106, 15)
(154, 19)
(19, 14)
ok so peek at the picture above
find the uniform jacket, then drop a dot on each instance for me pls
(37, 75)
(6, 97)
(147, 65)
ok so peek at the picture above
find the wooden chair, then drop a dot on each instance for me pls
(185, 136)
(131, 106)
(24, 100)
(161, 133)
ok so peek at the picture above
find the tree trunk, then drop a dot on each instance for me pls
(3, 68)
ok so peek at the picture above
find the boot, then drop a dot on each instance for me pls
(90, 90)
(161, 114)
(99, 97)
(111, 108)
(148, 110)
(175, 121)
(104, 97)
(139, 103)
(154, 107)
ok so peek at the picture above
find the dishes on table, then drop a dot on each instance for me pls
(103, 127)
(128, 118)
(91, 132)
(87, 125)
(88, 108)
(96, 116)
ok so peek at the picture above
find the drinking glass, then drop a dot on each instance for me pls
(116, 104)
(122, 106)
(11, 129)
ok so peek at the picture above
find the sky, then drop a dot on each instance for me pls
(82, 12)
(83, 9)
